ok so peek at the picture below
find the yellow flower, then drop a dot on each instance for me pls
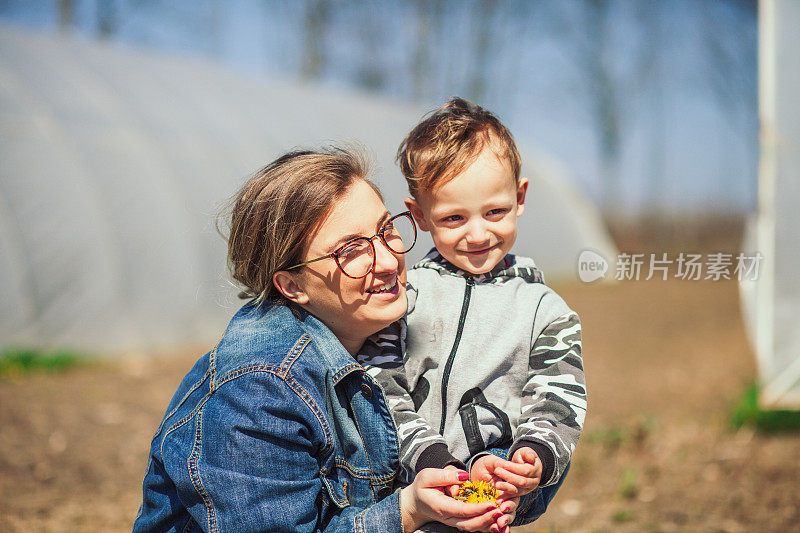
(476, 492)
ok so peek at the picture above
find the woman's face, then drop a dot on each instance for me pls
(353, 309)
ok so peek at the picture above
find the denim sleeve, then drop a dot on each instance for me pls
(260, 446)
(161, 508)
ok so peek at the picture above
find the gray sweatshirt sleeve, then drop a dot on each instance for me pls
(420, 445)
(553, 405)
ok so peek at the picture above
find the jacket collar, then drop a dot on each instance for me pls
(336, 357)
(504, 270)
(269, 328)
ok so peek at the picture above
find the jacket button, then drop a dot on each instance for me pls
(366, 391)
(384, 492)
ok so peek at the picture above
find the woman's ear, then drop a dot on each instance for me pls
(522, 189)
(416, 212)
(286, 283)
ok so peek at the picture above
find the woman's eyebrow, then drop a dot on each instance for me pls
(382, 221)
(352, 236)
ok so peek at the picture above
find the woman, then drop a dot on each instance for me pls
(278, 428)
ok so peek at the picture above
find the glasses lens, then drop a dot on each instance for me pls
(400, 233)
(356, 257)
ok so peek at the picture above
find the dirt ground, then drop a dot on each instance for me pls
(665, 361)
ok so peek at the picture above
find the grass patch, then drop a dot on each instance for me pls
(612, 437)
(623, 516)
(20, 361)
(628, 484)
(748, 413)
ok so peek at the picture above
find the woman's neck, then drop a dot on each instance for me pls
(352, 345)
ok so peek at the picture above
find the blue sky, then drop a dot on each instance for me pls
(682, 74)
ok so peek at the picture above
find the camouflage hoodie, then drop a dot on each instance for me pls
(491, 362)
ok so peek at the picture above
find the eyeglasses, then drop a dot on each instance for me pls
(356, 257)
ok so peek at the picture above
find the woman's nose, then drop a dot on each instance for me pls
(385, 259)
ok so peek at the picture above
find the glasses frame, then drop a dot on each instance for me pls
(334, 254)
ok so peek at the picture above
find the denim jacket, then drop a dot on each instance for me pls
(276, 429)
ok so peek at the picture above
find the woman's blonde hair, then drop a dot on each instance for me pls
(279, 208)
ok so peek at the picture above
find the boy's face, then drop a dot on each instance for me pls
(473, 217)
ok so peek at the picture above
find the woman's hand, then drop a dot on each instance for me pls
(509, 510)
(452, 490)
(425, 501)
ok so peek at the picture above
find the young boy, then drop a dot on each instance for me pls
(492, 375)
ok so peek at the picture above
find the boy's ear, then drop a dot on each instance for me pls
(286, 283)
(416, 212)
(522, 189)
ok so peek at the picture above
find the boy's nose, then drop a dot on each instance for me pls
(476, 233)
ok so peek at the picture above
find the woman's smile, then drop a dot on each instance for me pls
(387, 290)
(354, 309)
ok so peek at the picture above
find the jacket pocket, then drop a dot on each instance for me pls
(485, 425)
(336, 483)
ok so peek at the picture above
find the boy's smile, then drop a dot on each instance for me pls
(473, 217)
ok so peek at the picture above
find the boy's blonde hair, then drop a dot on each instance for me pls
(450, 139)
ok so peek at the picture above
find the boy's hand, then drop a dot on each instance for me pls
(512, 478)
(523, 472)
(483, 469)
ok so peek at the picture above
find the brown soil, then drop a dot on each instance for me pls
(665, 361)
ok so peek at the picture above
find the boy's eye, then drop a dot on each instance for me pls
(452, 218)
(498, 211)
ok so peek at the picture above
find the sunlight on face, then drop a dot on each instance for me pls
(354, 308)
(473, 217)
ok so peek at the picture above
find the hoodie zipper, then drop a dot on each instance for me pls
(449, 365)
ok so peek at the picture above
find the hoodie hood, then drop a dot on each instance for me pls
(505, 270)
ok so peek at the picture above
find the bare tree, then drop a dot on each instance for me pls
(658, 29)
(728, 34)
(612, 76)
(316, 21)
(592, 35)
(66, 12)
(426, 12)
(483, 19)
(107, 19)
(372, 71)
(726, 70)
(733, 76)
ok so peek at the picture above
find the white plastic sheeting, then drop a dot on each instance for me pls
(773, 301)
(115, 162)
